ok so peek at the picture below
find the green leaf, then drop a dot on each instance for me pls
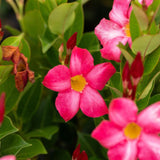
(78, 24)
(98, 120)
(29, 101)
(125, 53)
(91, 146)
(62, 17)
(141, 17)
(134, 26)
(153, 28)
(146, 44)
(154, 99)
(13, 31)
(18, 41)
(7, 128)
(157, 17)
(31, 5)
(35, 149)
(151, 61)
(148, 87)
(61, 1)
(12, 144)
(34, 24)
(90, 42)
(46, 132)
(5, 71)
(12, 93)
(46, 8)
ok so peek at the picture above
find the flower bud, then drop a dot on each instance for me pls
(2, 107)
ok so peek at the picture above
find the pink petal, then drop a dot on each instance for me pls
(108, 134)
(92, 103)
(122, 111)
(119, 12)
(2, 107)
(99, 75)
(58, 78)
(127, 150)
(111, 51)
(67, 104)
(107, 30)
(149, 147)
(149, 118)
(10, 157)
(81, 61)
(147, 2)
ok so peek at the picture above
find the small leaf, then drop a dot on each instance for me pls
(12, 144)
(141, 17)
(46, 132)
(59, 24)
(146, 44)
(7, 128)
(90, 42)
(34, 24)
(5, 71)
(35, 149)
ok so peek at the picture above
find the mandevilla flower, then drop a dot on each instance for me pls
(79, 156)
(9, 157)
(78, 85)
(2, 107)
(117, 29)
(129, 135)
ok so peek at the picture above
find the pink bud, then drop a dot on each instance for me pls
(137, 69)
(71, 43)
(126, 75)
(2, 107)
(83, 156)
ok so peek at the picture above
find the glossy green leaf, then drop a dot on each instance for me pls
(7, 128)
(35, 149)
(154, 99)
(151, 61)
(12, 144)
(141, 17)
(90, 42)
(91, 146)
(146, 44)
(5, 71)
(46, 132)
(78, 24)
(62, 17)
(29, 101)
(20, 42)
(12, 93)
(34, 24)
(134, 26)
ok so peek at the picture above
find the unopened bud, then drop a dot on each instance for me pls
(2, 107)
(126, 75)
(71, 43)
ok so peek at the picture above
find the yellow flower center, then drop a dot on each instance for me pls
(127, 30)
(78, 83)
(132, 130)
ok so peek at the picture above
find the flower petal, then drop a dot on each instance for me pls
(58, 78)
(107, 30)
(127, 150)
(119, 12)
(150, 124)
(9, 157)
(111, 51)
(108, 134)
(99, 75)
(67, 104)
(149, 147)
(81, 61)
(92, 103)
(122, 111)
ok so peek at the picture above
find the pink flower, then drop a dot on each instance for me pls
(111, 32)
(9, 157)
(2, 107)
(129, 135)
(78, 85)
